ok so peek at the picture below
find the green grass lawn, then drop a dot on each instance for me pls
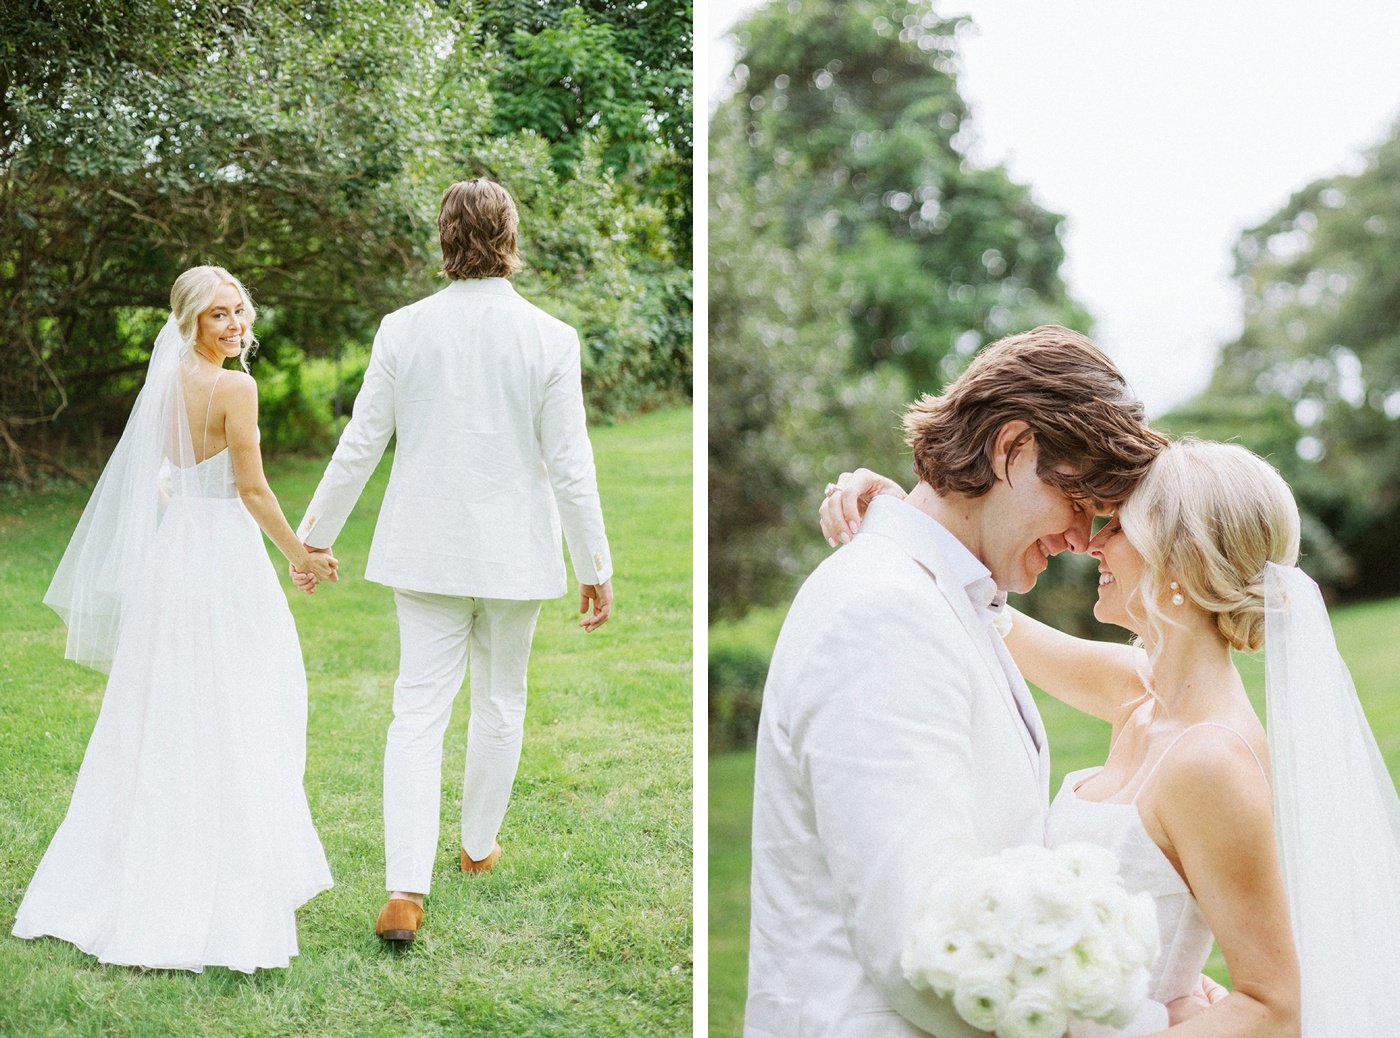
(1366, 635)
(585, 927)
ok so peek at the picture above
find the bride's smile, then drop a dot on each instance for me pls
(222, 327)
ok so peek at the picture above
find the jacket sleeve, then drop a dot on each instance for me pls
(358, 452)
(886, 750)
(568, 457)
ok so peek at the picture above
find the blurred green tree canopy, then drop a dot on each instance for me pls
(602, 69)
(1313, 381)
(305, 146)
(857, 259)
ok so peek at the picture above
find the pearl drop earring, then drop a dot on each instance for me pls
(1177, 597)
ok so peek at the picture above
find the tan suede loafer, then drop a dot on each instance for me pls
(486, 864)
(398, 921)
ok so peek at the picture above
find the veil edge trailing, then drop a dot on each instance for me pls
(1337, 818)
(116, 537)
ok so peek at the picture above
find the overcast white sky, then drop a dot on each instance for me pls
(1161, 130)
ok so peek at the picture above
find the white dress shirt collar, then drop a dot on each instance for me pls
(482, 286)
(967, 568)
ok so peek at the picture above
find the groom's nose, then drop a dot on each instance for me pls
(1079, 533)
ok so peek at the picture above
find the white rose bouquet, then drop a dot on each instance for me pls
(1028, 938)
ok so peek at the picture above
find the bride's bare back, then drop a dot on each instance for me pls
(205, 389)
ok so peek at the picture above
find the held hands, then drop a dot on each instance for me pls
(601, 597)
(846, 500)
(321, 565)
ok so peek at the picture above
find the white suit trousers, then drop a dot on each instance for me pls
(437, 636)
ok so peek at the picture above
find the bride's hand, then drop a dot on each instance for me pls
(846, 500)
(303, 581)
(1206, 993)
(322, 565)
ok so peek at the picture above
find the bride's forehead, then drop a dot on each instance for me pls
(226, 296)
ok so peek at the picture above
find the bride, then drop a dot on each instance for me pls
(188, 841)
(1232, 845)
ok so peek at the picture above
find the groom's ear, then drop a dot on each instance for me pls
(1013, 437)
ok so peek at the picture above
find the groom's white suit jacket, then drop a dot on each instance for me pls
(896, 738)
(483, 392)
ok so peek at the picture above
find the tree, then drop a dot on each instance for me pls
(619, 71)
(303, 146)
(144, 139)
(788, 409)
(856, 259)
(860, 101)
(611, 80)
(1313, 381)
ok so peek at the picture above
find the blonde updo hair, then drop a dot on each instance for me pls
(193, 293)
(1209, 516)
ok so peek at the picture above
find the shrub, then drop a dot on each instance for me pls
(737, 674)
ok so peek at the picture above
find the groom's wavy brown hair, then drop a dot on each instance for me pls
(1089, 430)
(479, 229)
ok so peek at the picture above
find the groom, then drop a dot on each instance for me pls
(483, 392)
(897, 736)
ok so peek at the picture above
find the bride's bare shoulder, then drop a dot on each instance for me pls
(1214, 770)
(238, 387)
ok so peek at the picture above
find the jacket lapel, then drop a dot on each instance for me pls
(1028, 712)
(885, 517)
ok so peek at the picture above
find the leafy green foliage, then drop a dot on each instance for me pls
(617, 71)
(304, 147)
(1313, 381)
(735, 686)
(859, 103)
(788, 408)
(857, 259)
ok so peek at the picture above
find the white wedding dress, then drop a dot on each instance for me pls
(1337, 818)
(188, 841)
(1186, 938)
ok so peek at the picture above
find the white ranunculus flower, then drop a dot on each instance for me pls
(1132, 992)
(936, 960)
(997, 908)
(1032, 1013)
(993, 956)
(1103, 908)
(1091, 979)
(1053, 922)
(980, 998)
(1029, 937)
(1089, 861)
(1042, 975)
(1046, 880)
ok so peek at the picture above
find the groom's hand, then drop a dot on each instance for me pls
(307, 581)
(600, 598)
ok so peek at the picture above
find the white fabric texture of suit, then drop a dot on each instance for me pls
(438, 634)
(896, 738)
(483, 391)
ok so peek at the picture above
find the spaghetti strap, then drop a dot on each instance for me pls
(1181, 735)
(204, 447)
(1134, 703)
